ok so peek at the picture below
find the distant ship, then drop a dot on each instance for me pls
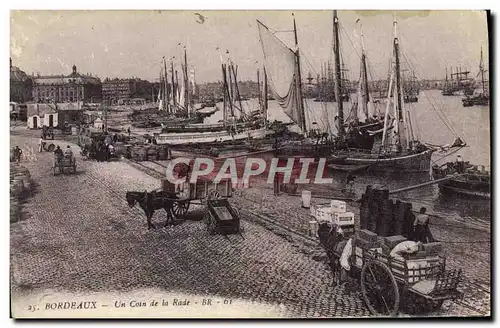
(480, 97)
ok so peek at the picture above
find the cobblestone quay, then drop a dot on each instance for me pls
(81, 236)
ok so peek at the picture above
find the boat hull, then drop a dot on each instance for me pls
(419, 162)
(208, 137)
(470, 185)
(448, 189)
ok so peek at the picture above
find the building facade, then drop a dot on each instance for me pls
(21, 85)
(75, 87)
(116, 91)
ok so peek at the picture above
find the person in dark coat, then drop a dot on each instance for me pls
(421, 227)
(17, 154)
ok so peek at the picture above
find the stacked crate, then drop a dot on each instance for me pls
(336, 213)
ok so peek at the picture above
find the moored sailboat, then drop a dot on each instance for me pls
(232, 128)
(482, 97)
(399, 151)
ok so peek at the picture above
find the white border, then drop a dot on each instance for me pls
(193, 4)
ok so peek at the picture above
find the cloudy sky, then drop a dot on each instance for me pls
(132, 43)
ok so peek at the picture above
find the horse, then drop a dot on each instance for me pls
(332, 239)
(152, 201)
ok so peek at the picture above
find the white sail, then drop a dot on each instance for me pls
(282, 72)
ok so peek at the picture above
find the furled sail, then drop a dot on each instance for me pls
(192, 81)
(281, 67)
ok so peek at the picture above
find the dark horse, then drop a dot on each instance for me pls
(152, 201)
(332, 239)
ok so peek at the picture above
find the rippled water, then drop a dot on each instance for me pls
(431, 116)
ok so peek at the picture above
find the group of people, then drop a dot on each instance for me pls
(98, 150)
(60, 154)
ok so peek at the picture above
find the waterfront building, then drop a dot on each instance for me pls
(75, 87)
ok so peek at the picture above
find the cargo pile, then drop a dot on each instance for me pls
(383, 216)
(21, 185)
(335, 213)
(141, 153)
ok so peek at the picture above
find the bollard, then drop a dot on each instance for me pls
(306, 199)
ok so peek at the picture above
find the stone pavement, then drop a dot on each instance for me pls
(83, 237)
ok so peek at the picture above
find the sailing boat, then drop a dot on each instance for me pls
(400, 151)
(363, 123)
(482, 98)
(231, 129)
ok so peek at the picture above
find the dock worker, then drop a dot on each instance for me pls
(68, 152)
(59, 154)
(421, 227)
(17, 154)
(349, 182)
(41, 142)
(460, 164)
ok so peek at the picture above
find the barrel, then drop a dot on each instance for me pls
(163, 153)
(306, 199)
(313, 228)
(15, 210)
(51, 147)
(16, 187)
(127, 153)
(142, 154)
(152, 153)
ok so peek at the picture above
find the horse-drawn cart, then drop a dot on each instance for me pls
(64, 164)
(413, 282)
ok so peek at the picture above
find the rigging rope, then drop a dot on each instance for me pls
(438, 110)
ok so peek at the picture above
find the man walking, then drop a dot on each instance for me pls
(41, 142)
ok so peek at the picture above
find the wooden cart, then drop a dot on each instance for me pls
(391, 283)
(64, 164)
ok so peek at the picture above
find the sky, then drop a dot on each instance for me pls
(132, 43)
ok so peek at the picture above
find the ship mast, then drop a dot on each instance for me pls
(366, 95)
(174, 88)
(166, 93)
(338, 76)
(265, 95)
(300, 103)
(481, 69)
(258, 89)
(186, 85)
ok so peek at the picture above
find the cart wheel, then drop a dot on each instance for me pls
(213, 194)
(180, 208)
(379, 288)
